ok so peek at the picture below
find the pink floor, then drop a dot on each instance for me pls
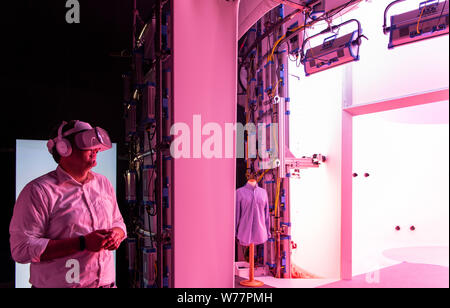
(403, 275)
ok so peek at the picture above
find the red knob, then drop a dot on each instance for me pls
(412, 228)
(397, 228)
(294, 245)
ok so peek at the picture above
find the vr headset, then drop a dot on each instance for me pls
(86, 138)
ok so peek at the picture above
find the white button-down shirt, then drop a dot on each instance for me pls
(55, 206)
(252, 215)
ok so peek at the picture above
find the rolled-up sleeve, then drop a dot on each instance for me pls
(28, 225)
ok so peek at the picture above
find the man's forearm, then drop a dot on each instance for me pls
(60, 248)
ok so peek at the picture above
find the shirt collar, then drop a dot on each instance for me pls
(250, 186)
(63, 176)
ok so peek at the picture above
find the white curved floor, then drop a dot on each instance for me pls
(436, 255)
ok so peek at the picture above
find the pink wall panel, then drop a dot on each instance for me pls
(205, 71)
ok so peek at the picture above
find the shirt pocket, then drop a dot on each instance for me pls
(260, 203)
(104, 208)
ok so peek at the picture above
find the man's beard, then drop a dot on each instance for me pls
(92, 161)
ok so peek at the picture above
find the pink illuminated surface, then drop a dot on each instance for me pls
(382, 80)
(400, 190)
(205, 66)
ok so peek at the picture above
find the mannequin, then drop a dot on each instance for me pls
(252, 222)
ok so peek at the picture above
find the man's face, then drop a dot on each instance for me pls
(85, 159)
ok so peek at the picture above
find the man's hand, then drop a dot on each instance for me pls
(96, 240)
(113, 239)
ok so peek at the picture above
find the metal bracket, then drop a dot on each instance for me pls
(297, 164)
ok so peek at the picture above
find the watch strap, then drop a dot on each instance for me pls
(82, 243)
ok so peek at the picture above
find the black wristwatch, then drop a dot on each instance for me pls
(82, 243)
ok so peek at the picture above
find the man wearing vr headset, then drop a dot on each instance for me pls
(67, 223)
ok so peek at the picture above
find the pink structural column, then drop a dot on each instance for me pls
(204, 76)
(346, 176)
(346, 196)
